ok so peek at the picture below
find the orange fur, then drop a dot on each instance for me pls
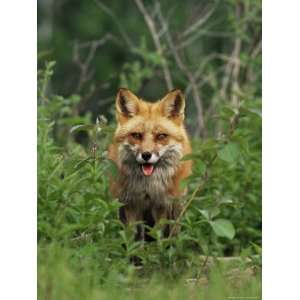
(153, 115)
(165, 116)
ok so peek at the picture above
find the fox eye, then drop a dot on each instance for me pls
(161, 136)
(137, 135)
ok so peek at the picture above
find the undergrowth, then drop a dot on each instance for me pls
(80, 238)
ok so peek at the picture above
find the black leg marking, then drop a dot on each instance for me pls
(149, 221)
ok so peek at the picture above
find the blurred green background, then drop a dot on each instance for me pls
(211, 50)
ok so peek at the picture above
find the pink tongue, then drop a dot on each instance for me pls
(147, 169)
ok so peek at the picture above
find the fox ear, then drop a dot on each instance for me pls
(173, 105)
(126, 103)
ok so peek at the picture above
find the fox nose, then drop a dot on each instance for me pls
(146, 156)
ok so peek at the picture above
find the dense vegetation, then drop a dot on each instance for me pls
(218, 252)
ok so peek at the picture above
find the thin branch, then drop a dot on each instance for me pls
(236, 58)
(204, 32)
(85, 73)
(256, 50)
(232, 68)
(236, 71)
(230, 60)
(226, 78)
(155, 36)
(250, 75)
(201, 130)
(123, 33)
(202, 19)
(200, 69)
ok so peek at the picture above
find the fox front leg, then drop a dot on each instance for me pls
(130, 217)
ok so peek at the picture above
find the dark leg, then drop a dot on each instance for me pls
(127, 216)
(122, 215)
(149, 221)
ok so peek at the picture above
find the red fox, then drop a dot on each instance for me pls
(148, 144)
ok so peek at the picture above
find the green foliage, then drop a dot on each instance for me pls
(78, 219)
(229, 153)
(133, 74)
(223, 228)
(84, 250)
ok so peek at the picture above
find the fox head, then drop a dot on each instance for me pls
(150, 136)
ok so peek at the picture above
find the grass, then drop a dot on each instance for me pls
(64, 273)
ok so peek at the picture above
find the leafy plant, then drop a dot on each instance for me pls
(78, 222)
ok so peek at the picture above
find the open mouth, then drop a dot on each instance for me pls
(147, 169)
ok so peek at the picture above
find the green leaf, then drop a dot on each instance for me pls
(82, 162)
(227, 112)
(204, 213)
(254, 111)
(208, 145)
(214, 212)
(190, 156)
(223, 228)
(82, 127)
(257, 248)
(226, 201)
(75, 99)
(50, 64)
(112, 168)
(199, 168)
(229, 153)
